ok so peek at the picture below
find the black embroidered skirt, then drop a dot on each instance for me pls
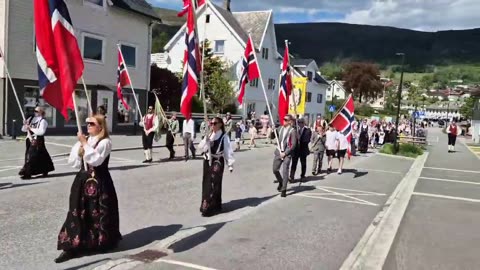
(212, 186)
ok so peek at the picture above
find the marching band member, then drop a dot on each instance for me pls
(150, 125)
(217, 153)
(92, 222)
(37, 159)
(453, 131)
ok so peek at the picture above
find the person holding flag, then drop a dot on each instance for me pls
(343, 122)
(283, 154)
(173, 129)
(150, 125)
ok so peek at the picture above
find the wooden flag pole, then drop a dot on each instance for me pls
(89, 101)
(78, 125)
(265, 94)
(131, 84)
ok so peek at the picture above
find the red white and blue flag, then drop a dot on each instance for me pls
(60, 63)
(122, 79)
(344, 120)
(191, 65)
(186, 5)
(250, 70)
(285, 87)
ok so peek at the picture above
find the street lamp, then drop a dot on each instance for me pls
(399, 98)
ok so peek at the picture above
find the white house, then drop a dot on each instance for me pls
(99, 26)
(228, 34)
(316, 87)
(336, 91)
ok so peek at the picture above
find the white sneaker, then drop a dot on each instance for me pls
(339, 171)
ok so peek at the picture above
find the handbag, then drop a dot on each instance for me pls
(91, 186)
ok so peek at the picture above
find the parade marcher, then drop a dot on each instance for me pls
(317, 148)
(150, 125)
(37, 159)
(101, 110)
(453, 131)
(220, 152)
(331, 144)
(301, 152)
(342, 150)
(229, 125)
(363, 138)
(320, 122)
(92, 223)
(204, 127)
(283, 155)
(173, 129)
(252, 131)
(188, 134)
(264, 119)
(238, 136)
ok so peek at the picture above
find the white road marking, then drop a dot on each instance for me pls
(450, 180)
(382, 171)
(189, 265)
(124, 159)
(446, 197)
(453, 170)
(59, 144)
(349, 195)
(355, 190)
(11, 168)
(332, 199)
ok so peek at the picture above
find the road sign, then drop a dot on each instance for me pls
(332, 108)
(416, 114)
(422, 114)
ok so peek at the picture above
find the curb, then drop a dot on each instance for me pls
(372, 250)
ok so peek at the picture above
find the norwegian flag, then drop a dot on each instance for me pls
(60, 63)
(285, 87)
(186, 5)
(122, 78)
(344, 121)
(191, 66)
(250, 70)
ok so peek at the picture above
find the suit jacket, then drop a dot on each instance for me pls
(288, 140)
(173, 126)
(303, 141)
(317, 143)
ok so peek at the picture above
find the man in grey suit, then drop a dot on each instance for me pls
(287, 137)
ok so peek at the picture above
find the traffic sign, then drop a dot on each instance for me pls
(416, 114)
(332, 108)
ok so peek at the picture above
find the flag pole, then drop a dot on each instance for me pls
(78, 125)
(89, 101)
(293, 92)
(265, 94)
(131, 84)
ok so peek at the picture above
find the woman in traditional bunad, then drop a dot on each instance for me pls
(92, 223)
(37, 158)
(217, 153)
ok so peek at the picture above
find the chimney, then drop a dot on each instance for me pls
(226, 5)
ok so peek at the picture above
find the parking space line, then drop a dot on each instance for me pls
(333, 199)
(373, 170)
(446, 197)
(450, 180)
(189, 265)
(354, 190)
(453, 170)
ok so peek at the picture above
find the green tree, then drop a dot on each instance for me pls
(158, 42)
(363, 79)
(426, 82)
(332, 71)
(467, 108)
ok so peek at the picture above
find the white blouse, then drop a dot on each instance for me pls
(93, 156)
(227, 147)
(41, 128)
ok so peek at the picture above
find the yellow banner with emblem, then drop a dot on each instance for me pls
(298, 96)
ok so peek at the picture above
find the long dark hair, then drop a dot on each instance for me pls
(220, 120)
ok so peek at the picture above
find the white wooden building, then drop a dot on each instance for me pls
(228, 34)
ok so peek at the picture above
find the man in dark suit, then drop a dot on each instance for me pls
(287, 137)
(304, 134)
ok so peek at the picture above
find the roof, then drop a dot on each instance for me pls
(255, 23)
(301, 62)
(234, 24)
(319, 79)
(138, 6)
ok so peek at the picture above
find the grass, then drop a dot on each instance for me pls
(406, 150)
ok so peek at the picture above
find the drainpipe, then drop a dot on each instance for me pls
(5, 58)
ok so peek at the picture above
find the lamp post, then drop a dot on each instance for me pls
(399, 99)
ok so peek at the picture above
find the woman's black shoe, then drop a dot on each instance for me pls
(284, 194)
(45, 174)
(64, 256)
(26, 177)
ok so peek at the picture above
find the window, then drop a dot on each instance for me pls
(254, 83)
(271, 84)
(82, 107)
(95, 2)
(207, 18)
(124, 116)
(265, 53)
(130, 55)
(319, 98)
(310, 76)
(93, 48)
(33, 99)
(219, 46)
(309, 96)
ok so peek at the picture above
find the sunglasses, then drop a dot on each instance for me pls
(92, 124)
(215, 123)
(37, 111)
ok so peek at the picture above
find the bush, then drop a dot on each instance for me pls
(406, 150)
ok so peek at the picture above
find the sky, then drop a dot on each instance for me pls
(424, 15)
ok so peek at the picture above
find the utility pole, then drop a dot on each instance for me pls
(399, 97)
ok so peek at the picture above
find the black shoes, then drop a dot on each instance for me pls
(65, 256)
(279, 188)
(284, 194)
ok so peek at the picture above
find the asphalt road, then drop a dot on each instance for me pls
(440, 227)
(316, 227)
